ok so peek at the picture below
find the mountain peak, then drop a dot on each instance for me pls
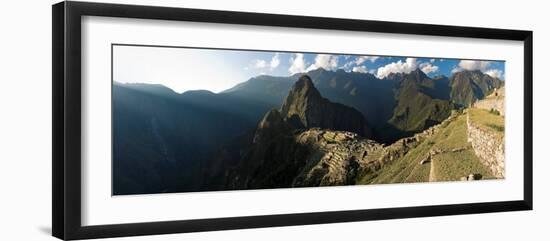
(418, 74)
(302, 95)
(469, 86)
(304, 82)
(303, 90)
(304, 107)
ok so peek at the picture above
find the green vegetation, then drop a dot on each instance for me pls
(452, 159)
(469, 86)
(417, 106)
(487, 120)
(417, 111)
(452, 165)
(401, 169)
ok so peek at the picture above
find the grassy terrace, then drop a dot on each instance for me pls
(455, 160)
(487, 120)
(449, 165)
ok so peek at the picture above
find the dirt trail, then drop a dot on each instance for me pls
(432, 173)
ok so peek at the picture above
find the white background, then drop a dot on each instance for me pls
(25, 126)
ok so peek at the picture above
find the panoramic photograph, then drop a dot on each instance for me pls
(198, 119)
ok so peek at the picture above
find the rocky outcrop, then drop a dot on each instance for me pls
(304, 158)
(488, 147)
(493, 102)
(305, 108)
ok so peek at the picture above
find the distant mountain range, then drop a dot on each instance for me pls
(169, 142)
(396, 106)
(160, 138)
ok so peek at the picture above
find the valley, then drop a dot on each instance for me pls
(321, 128)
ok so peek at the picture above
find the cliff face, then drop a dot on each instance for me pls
(305, 108)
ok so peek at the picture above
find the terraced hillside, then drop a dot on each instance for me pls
(441, 153)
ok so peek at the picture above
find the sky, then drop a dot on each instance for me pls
(184, 69)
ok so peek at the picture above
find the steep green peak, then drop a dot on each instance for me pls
(303, 88)
(305, 108)
(418, 74)
(303, 82)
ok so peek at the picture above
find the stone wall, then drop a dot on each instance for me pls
(494, 101)
(488, 147)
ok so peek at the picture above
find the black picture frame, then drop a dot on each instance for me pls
(66, 158)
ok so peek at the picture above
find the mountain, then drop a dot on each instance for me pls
(371, 96)
(277, 131)
(161, 138)
(264, 88)
(396, 106)
(305, 108)
(421, 103)
(309, 141)
(469, 86)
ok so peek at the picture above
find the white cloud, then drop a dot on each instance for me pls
(275, 61)
(428, 67)
(495, 73)
(406, 67)
(355, 65)
(372, 71)
(259, 63)
(347, 66)
(362, 59)
(262, 64)
(360, 69)
(480, 65)
(325, 61)
(474, 64)
(297, 64)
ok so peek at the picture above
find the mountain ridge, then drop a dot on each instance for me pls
(304, 107)
(165, 141)
(288, 142)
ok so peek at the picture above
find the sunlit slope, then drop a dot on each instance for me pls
(443, 155)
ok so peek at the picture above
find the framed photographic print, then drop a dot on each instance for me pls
(170, 120)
